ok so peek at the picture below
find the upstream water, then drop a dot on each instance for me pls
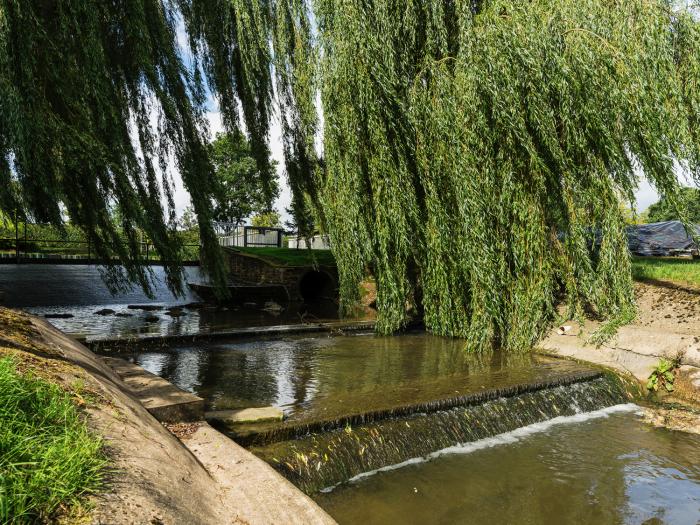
(76, 293)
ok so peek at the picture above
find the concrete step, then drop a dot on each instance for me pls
(166, 402)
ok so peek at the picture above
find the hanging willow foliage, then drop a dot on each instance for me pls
(475, 153)
(94, 98)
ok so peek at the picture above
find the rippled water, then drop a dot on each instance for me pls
(595, 468)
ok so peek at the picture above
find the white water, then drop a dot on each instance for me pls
(501, 439)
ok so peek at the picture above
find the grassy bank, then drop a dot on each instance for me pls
(676, 270)
(290, 256)
(49, 460)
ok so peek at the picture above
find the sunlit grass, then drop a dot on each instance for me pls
(676, 270)
(49, 460)
(291, 256)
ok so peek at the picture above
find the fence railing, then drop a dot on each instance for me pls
(60, 249)
(250, 236)
(22, 241)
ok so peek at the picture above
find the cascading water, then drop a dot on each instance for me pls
(323, 459)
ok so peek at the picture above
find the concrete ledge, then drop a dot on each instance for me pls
(634, 349)
(260, 493)
(258, 332)
(162, 399)
(245, 415)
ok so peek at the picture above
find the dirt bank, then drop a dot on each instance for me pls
(154, 478)
(667, 326)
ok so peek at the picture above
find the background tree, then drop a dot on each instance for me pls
(268, 219)
(188, 221)
(663, 210)
(240, 189)
(302, 226)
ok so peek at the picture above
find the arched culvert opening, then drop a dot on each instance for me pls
(316, 286)
(319, 292)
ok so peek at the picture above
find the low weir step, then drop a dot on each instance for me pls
(245, 415)
(166, 402)
(264, 433)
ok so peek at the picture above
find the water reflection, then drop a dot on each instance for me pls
(312, 377)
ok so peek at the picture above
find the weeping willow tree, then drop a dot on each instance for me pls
(477, 153)
(474, 152)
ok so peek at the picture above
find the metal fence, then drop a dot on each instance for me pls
(25, 246)
(248, 236)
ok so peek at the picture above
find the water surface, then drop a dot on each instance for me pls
(328, 376)
(78, 291)
(602, 467)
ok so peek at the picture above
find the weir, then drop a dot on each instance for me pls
(321, 459)
(357, 403)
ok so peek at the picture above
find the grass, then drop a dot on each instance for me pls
(292, 257)
(681, 271)
(49, 460)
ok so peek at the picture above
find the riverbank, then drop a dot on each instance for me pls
(152, 477)
(667, 327)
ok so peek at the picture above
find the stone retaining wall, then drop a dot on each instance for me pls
(256, 270)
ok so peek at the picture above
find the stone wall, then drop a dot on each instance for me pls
(250, 269)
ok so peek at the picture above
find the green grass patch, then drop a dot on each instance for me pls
(292, 257)
(49, 460)
(681, 271)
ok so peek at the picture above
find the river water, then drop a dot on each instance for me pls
(591, 465)
(604, 467)
(79, 292)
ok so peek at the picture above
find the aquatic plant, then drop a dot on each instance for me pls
(475, 153)
(664, 375)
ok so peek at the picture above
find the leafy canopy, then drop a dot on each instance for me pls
(268, 219)
(472, 149)
(666, 211)
(240, 191)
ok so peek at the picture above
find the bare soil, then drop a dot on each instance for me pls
(669, 307)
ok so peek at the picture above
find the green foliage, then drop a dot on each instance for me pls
(682, 271)
(49, 460)
(299, 225)
(472, 149)
(663, 375)
(188, 221)
(240, 188)
(267, 219)
(665, 211)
